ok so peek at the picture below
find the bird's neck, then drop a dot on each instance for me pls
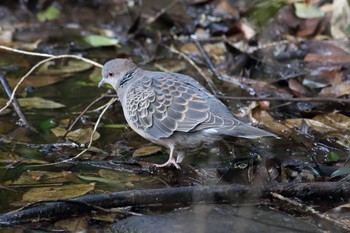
(127, 81)
(127, 77)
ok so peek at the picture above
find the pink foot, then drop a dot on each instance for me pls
(169, 163)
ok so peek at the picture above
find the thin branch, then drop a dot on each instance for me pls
(15, 103)
(50, 55)
(39, 64)
(89, 205)
(91, 137)
(36, 146)
(199, 70)
(155, 17)
(207, 59)
(82, 113)
(25, 52)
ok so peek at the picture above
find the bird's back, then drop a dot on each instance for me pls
(160, 104)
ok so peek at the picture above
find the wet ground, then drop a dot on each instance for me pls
(218, 37)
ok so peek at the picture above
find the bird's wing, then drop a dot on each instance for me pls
(161, 104)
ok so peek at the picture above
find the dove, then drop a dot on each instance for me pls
(173, 109)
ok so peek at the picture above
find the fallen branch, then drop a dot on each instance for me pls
(199, 70)
(235, 193)
(309, 209)
(15, 103)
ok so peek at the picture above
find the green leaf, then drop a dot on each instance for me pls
(48, 124)
(99, 179)
(98, 41)
(333, 156)
(50, 13)
(341, 172)
(307, 11)
(116, 126)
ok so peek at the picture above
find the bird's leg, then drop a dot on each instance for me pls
(170, 161)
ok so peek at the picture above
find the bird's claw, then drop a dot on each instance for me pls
(169, 163)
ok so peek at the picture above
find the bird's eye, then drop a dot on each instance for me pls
(110, 74)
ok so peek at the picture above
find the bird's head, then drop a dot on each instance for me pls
(116, 71)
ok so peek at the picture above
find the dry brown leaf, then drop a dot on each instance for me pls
(328, 58)
(335, 120)
(313, 124)
(147, 150)
(39, 80)
(79, 135)
(38, 103)
(225, 9)
(336, 90)
(272, 125)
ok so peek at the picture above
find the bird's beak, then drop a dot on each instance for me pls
(100, 84)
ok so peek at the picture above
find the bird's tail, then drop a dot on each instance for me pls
(246, 131)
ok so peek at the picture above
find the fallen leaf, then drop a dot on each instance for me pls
(62, 68)
(226, 10)
(108, 174)
(49, 193)
(147, 150)
(340, 19)
(42, 177)
(341, 172)
(116, 126)
(99, 41)
(106, 217)
(39, 80)
(50, 13)
(38, 103)
(336, 90)
(79, 135)
(101, 180)
(272, 125)
(313, 124)
(307, 11)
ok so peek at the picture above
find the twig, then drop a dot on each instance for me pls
(199, 70)
(25, 52)
(91, 137)
(31, 145)
(39, 64)
(311, 210)
(51, 56)
(207, 59)
(15, 103)
(92, 206)
(155, 17)
(82, 113)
